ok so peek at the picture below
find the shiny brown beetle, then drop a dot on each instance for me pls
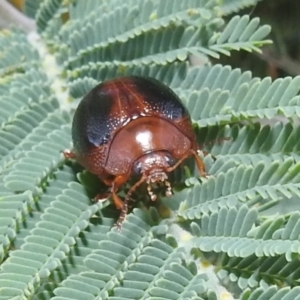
(132, 126)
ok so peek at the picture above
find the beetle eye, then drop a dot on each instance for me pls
(170, 160)
(137, 168)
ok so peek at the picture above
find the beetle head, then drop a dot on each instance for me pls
(154, 167)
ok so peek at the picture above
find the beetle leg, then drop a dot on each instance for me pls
(113, 193)
(118, 181)
(216, 141)
(200, 164)
(170, 169)
(122, 215)
(125, 203)
(133, 188)
(102, 196)
(117, 200)
(205, 153)
(113, 185)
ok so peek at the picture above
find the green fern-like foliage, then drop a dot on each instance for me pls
(233, 235)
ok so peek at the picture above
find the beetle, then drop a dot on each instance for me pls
(132, 126)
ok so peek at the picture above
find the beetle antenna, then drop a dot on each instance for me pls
(152, 196)
(169, 188)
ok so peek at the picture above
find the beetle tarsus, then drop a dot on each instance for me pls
(123, 214)
(216, 141)
(102, 197)
(68, 154)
